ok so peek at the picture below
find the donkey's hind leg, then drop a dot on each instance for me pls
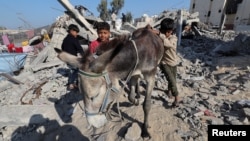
(147, 102)
(133, 85)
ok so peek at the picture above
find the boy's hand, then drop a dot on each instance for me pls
(157, 32)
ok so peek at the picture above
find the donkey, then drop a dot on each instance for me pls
(120, 59)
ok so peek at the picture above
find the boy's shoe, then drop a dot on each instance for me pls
(72, 86)
(169, 94)
(176, 102)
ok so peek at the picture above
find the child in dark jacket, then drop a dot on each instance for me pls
(71, 45)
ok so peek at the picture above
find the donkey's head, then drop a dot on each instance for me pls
(94, 83)
(91, 85)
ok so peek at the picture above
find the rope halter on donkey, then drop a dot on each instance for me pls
(109, 83)
(109, 88)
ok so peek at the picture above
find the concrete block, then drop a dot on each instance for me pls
(236, 92)
(133, 133)
(198, 114)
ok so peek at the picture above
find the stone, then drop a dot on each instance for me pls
(155, 94)
(230, 118)
(187, 109)
(133, 133)
(181, 115)
(198, 78)
(211, 101)
(244, 103)
(223, 88)
(195, 85)
(204, 90)
(236, 122)
(215, 121)
(221, 77)
(203, 96)
(245, 121)
(201, 108)
(222, 93)
(247, 112)
(157, 102)
(247, 85)
(237, 91)
(198, 114)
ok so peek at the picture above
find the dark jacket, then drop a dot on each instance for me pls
(71, 45)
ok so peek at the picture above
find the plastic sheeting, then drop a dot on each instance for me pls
(10, 62)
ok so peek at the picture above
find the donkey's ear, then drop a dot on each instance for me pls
(68, 58)
(100, 63)
(57, 50)
(148, 26)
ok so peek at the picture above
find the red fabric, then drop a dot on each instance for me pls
(18, 49)
(93, 46)
(10, 47)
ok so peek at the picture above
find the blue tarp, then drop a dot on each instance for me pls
(10, 62)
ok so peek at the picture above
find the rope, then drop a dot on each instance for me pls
(137, 61)
(92, 74)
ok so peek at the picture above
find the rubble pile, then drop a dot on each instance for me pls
(217, 94)
(213, 80)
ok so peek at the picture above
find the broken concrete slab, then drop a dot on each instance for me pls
(215, 121)
(237, 91)
(133, 133)
(41, 57)
(247, 85)
(244, 103)
(247, 112)
(50, 64)
(198, 114)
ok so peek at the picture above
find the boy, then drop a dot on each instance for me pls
(103, 31)
(71, 45)
(169, 60)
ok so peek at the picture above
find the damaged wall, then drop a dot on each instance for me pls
(211, 12)
(242, 18)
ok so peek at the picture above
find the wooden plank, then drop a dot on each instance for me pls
(10, 78)
(67, 5)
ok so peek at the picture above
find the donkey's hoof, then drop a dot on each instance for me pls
(145, 134)
(136, 102)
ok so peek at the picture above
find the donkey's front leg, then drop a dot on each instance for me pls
(147, 105)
